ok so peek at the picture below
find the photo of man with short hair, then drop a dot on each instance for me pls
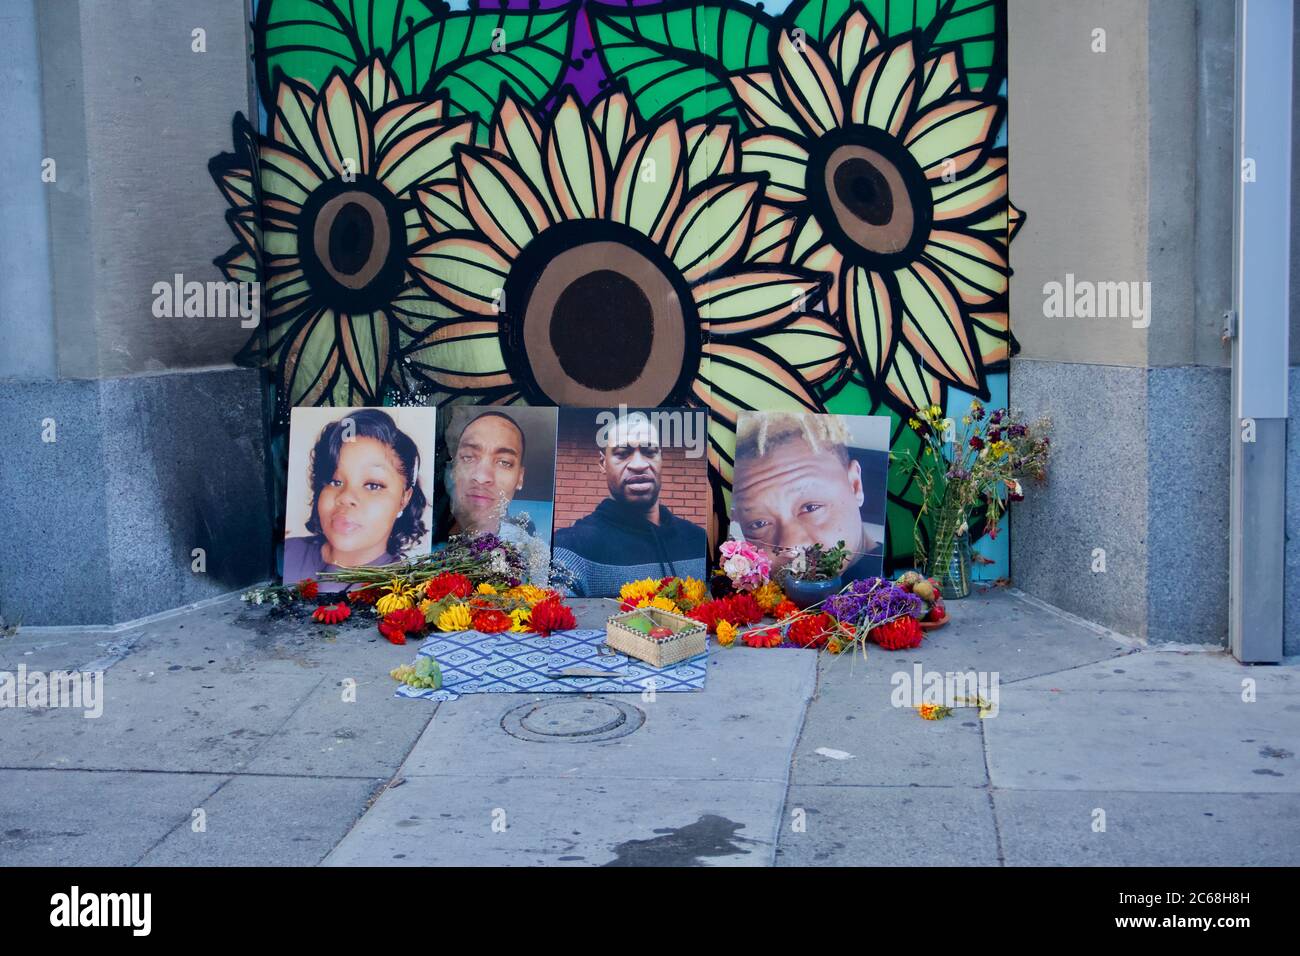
(632, 503)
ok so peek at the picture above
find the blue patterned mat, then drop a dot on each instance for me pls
(477, 663)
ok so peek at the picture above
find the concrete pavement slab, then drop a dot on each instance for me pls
(88, 818)
(266, 821)
(696, 774)
(1143, 741)
(887, 826)
(997, 625)
(1170, 668)
(889, 745)
(742, 727)
(1056, 828)
(335, 732)
(470, 820)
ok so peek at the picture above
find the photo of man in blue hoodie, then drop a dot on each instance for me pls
(631, 534)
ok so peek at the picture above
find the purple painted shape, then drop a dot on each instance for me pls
(585, 72)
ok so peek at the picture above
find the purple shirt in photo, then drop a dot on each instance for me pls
(303, 559)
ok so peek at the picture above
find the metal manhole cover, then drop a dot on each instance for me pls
(572, 720)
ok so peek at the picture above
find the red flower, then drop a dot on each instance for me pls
(391, 631)
(763, 637)
(810, 631)
(366, 595)
(710, 613)
(744, 609)
(491, 621)
(550, 616)
(446, 583)
(332, 613)
(308, 588)
(407, 618)
(785, 609)
(898, 635)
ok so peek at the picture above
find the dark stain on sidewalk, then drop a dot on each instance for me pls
(709, 836)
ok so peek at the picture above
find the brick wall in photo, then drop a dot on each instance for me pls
(580, 482)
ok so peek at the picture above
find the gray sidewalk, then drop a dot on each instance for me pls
(227, 738)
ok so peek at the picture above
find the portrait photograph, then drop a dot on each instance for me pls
(497, 468)
(631, 496)
(805, 479)
(359, 489)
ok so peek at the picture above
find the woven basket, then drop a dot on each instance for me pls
(690, 639)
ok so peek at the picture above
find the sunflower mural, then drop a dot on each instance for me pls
(724, 207)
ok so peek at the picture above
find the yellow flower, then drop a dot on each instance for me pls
(393, 602)
(424, 607)
(769, 596)
(965, 419)
(726, 633)
(934, 412)
(913, 423)
(636, 590)
(520, 617)
(693, 590)
(661, 603)
(834, 646)
(485, 588)
(530, 594)
(455, 618)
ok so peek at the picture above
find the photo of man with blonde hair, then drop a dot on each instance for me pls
(805, 479)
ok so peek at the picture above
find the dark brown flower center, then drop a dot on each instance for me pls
(597, 314)
(352, 242)
(870, 196)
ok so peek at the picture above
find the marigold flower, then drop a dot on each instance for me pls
(661, 604)
(485, 588)
(785, 609)
(769, 596)
(635, 590)
(811, 631)
(520, 616)
(492, 622)
(726, 633)
(693, 590)
(455, 618)
(366, 595)
(898, 635)
(530, 594)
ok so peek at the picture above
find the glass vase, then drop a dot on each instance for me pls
(953, 574)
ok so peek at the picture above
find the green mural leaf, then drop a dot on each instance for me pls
(679, 55)
(472, 55)
(969, 25)
(309, 38)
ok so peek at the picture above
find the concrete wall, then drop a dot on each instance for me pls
(26, 327)
(129, 440)
(134, 116)
(1123, 163)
